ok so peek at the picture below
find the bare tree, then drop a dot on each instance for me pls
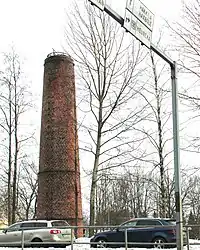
(186, 45)
(157, 128)
(192, 200)
(121, 197)
(187, 37)
(160, 144)
(107, 66)
(14, 102)
(27, 190)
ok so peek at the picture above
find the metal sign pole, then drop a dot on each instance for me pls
(178, 201)
(177, 181)
(179, 219)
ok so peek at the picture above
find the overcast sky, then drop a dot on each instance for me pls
(35, 27)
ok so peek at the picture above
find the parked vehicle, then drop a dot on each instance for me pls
(37, 232)
(155, 231)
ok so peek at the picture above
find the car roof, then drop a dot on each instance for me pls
(151, 218)
(27, 221)
(35, 220)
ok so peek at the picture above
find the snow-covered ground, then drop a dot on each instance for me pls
(81, 244)
(86, 246)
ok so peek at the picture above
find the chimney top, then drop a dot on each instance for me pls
(59, 56)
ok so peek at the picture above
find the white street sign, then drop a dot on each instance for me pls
(129, 4)
(127, 20)
(141, 12)
(133, 25)
(98, 3)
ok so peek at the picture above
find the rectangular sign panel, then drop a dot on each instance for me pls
(129, 4)
(133, 25)
(141, 12)
(98, 3)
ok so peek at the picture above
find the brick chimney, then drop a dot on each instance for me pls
(59, 189)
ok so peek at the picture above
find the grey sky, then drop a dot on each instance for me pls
(35, 27)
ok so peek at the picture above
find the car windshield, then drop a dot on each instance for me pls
(59, 223)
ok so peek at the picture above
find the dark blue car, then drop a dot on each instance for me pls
(142, 230)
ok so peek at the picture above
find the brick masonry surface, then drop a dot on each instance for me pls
(59, 189)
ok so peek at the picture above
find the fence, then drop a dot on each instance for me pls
(193, 230)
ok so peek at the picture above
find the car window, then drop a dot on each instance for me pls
(127, 224)
(13, 228)
(169, 222)
(148, 223)
(30, 225)
(27, 225)
(59, 223)
(40, 224)
(131, 223)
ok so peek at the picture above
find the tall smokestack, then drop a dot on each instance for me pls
(59, 189)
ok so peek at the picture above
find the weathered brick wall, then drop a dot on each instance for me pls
(59, 190)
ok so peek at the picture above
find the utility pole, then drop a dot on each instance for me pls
(139, 22)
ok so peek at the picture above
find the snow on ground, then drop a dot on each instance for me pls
(81, 244)
(86, 246)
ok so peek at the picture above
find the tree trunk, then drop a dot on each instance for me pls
(94, 179)
(10, 157)
(160, 142)
(14, 203)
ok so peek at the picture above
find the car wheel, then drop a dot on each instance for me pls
(36, 240)
(158, 243)
(101, 243)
